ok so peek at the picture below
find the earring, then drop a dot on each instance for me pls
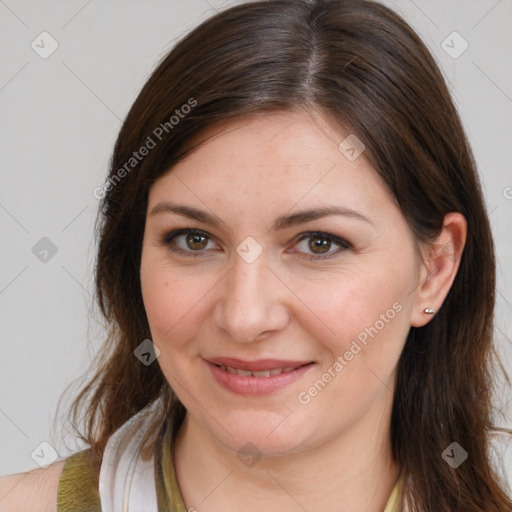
(429, 311)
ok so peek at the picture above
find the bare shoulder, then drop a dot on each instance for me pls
(34, 490)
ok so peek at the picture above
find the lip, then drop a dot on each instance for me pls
(255, 385)
(256, 366)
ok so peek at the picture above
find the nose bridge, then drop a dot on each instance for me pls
(251, 303)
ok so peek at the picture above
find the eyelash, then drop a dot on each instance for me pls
(343, 244)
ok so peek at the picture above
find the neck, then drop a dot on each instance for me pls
(352, 472)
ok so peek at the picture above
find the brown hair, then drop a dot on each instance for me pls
(360, 65)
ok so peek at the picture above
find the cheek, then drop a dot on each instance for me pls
(178, 305)
(369, 317)
(172, 302)
(365, 321)
(348, 304)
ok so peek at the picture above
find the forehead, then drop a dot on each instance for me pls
(278, 160)
(294, 139)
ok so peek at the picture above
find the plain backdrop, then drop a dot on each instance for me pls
(60, 116)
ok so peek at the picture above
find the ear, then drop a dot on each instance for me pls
(441, 260)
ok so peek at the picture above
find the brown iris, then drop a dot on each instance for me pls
(196, 242)
(319, 245)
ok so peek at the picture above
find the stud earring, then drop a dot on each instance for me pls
(429, 311)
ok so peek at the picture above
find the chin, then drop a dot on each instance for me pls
(265, 433)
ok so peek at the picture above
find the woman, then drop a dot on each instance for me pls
(297, 266)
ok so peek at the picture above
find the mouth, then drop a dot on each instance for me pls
(259, 367)
(261, 373)
(259, 377)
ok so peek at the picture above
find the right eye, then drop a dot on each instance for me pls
(188, 242)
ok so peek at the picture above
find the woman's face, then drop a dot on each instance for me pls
(263, 278)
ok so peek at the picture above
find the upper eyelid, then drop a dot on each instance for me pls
(321, 234)
(168, 236)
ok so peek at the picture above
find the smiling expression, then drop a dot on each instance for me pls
(266, 253)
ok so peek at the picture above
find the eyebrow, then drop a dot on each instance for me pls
(282, 222)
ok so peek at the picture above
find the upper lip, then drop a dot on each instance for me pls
(256, 366)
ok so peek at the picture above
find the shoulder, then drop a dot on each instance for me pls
(34, 490)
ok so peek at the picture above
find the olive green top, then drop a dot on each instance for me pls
(78, 486)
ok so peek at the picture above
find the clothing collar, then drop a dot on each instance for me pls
(168, 492)
(129, 481)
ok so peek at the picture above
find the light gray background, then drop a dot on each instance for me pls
(60, 117)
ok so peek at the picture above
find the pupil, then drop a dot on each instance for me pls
(196, 241)
(319, 245)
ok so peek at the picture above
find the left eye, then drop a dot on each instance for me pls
(320, 244)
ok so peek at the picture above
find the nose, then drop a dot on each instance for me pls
(252, 302)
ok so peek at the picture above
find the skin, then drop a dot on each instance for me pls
(332, 453)
(32, 490)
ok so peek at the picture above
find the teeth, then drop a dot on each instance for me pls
(263, 373)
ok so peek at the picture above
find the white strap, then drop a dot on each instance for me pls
(126, 482)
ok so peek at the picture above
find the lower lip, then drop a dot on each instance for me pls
(256, 385)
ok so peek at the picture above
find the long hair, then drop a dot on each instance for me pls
(361, 66)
